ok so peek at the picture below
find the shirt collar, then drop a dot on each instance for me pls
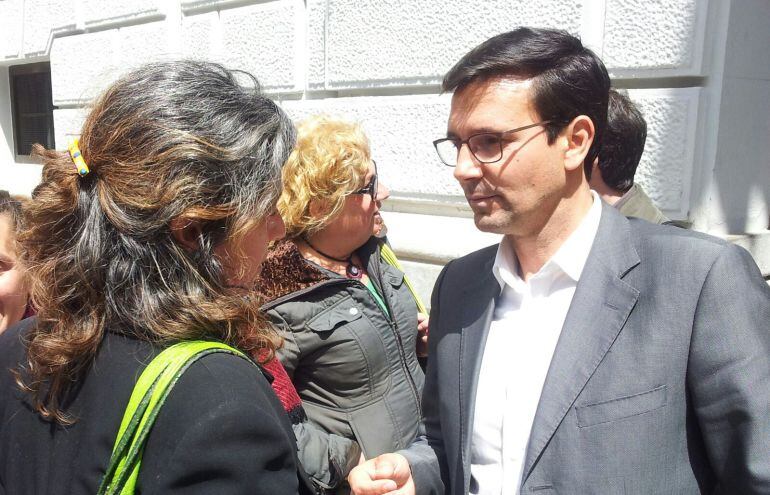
(570, 258)
(624, 199)
(506, 267)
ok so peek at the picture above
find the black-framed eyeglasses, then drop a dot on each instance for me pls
(486, 147)
(371, 187)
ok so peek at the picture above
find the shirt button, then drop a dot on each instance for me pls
(353, 311)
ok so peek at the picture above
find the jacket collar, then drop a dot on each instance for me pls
(285, 271)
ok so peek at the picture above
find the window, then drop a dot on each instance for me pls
(31, 106)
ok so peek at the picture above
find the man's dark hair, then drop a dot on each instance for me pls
(568, 78)
(623, 142)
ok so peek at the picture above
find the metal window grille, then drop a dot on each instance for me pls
(32, 106)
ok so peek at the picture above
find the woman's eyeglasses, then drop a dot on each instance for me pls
(371, 187)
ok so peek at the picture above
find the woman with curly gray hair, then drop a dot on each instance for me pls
(150, 233)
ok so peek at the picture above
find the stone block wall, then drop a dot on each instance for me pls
(381, 62)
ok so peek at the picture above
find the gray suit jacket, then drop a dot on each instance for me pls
(659, 383)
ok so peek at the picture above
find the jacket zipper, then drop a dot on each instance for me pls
(394, 328)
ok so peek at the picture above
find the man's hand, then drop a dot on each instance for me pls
(385, 474)
(422, 334)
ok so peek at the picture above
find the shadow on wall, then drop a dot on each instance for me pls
(742, 170)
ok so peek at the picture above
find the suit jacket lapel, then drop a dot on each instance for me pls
(479, 306)
(599, 309)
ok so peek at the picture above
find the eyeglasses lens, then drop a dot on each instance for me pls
(447, 151)
(485, 147)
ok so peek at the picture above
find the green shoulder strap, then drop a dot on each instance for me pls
(390, 258)
(150, 392)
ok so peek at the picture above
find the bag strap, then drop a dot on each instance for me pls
(149, 394)
(389, 256)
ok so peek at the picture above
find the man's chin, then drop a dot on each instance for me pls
(489, 223)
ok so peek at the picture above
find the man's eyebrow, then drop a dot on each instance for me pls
(479, 130)
(493, 130)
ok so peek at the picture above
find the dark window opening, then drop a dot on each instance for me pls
(32, 106)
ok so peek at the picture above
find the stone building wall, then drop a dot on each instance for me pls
(699, 69)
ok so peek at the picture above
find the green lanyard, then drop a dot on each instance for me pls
(377, 296)
(389, 256)
(150, 392)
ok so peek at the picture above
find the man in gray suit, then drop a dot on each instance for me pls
(587, 353)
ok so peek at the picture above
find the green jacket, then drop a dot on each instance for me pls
(353, 364)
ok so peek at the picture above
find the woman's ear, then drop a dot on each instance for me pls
(318, 208)
(580, 134)
(186, 232)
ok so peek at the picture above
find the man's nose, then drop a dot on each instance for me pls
(467, 166)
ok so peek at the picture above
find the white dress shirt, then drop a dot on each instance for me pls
(522, 337)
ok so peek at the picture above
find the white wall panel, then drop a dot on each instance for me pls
(101, 12)
(11, 27)
(201, 36)
(423, 277)
(82, 66)
(262, 39)
(654, 38)
(44, 19)
(665, 170)
(67, 123)
(740, 201)
(138, 45)
(195, 5)
(391, 42)
(434, 238)
(79, 71)
(750, 48)
(316, 39)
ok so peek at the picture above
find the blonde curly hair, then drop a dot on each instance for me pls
(329, 162)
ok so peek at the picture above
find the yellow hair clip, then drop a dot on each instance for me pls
(77, 158)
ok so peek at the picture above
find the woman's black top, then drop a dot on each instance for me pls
(221, 431)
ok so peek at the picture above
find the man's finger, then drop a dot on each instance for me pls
(362, 484)
(379, 487)
(406, 489)
(384, 469)
(402, 491)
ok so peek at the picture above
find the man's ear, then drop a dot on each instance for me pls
(186, 232)
(580, 134)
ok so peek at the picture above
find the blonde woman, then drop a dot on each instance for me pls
(348, 319)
